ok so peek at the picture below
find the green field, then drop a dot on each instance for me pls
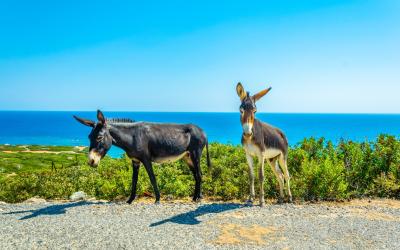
(319, 171)
(16, 159)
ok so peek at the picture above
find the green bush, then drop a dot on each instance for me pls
(320, 180)
(318, 168)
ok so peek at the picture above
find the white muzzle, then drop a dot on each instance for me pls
(247, 127)
(94, 158)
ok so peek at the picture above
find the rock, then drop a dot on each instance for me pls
(35, 200)
(78, 196)
(3, 203)
(93, 199)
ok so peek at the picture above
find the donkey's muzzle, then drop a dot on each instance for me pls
(247, 134)
(92, 163)
(247, 129)
(94, 158)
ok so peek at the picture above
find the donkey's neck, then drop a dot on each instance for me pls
(119, 137)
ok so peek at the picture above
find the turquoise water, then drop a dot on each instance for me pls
(59, 128)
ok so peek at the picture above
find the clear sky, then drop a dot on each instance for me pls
(331, 56)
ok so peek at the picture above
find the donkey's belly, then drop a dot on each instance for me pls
(171, 158)
(269, 153)
(252, 149)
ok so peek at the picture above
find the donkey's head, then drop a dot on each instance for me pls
(100, 138)
(248, 107)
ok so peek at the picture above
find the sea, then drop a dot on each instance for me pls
(60, 128)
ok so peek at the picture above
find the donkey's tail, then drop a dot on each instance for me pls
(208, 155)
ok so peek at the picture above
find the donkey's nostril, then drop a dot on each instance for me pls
(248, 133)
(91, 162)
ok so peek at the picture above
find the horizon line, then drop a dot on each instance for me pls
(211, 112)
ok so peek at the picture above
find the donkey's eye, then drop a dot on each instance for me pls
(241, 110)
(100, 138)
(254, 111)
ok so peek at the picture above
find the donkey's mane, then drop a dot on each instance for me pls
(119, 120)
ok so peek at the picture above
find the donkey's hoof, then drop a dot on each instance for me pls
(280, 200)
(249, 203)
(157, 202)
(262, 204)
(198, 199)
(130, 201)
(290, 200)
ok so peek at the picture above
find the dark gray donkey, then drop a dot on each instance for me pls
(263, 141)
(145, 143)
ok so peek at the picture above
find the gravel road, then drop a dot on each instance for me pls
(99, 225)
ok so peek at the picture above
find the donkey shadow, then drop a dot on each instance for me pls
(50, 210)
(190, 218)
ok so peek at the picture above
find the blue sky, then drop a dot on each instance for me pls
(331, 56)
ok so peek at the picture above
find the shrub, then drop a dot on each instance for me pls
(320, 180)
(318, 168)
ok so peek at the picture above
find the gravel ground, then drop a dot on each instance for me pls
(98, 225)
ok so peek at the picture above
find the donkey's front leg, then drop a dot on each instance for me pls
(135, 175)
(149, 169)
(261, 178)
(251, 177)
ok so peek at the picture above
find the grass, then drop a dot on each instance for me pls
(16, 159)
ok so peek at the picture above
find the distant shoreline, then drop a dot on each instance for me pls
(59, 128)
(203, 112)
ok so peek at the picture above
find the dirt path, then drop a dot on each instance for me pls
(98, 225)
(27, 150)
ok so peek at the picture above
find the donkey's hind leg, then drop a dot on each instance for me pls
(188, 159)
(279, 176)
(283, 163)
(195, 157)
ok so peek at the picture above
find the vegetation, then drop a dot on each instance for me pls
(319, 170)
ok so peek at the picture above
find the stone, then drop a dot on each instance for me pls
(78, 196)
(35, 200)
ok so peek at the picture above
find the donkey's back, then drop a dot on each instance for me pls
(172, 133)
(169, 141)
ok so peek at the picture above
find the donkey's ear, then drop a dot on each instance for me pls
(240, 91)
(260, 94)
(85, 122)
(101, 117)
